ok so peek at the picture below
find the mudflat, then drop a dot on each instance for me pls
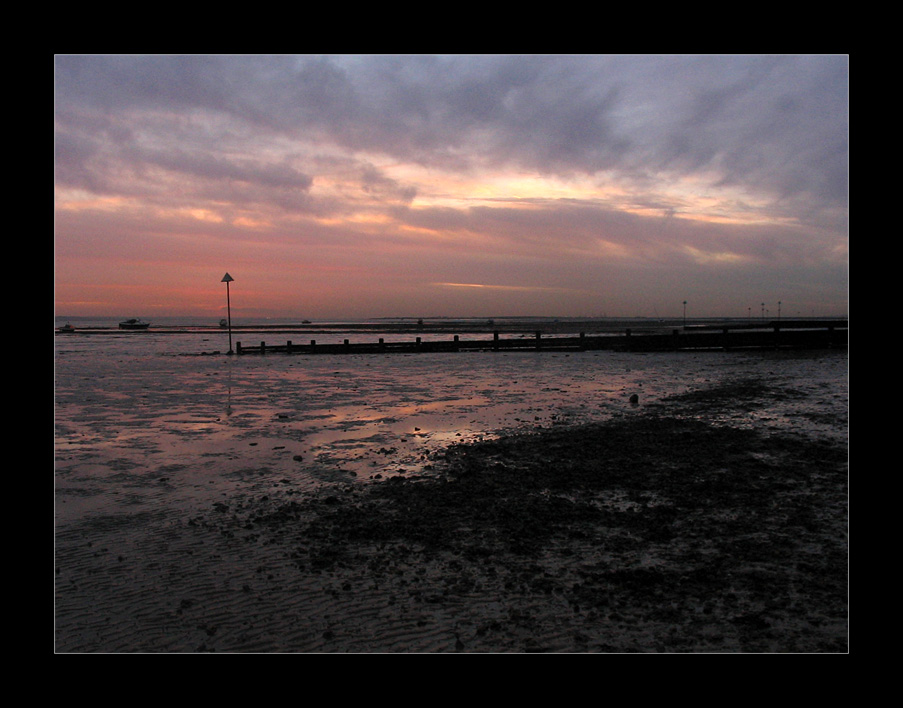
(670, 529)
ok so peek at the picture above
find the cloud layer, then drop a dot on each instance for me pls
(344, 186)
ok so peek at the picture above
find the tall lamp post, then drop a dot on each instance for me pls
(228, 279)
(685, 313)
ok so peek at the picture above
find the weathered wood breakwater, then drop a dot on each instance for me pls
(812, 334)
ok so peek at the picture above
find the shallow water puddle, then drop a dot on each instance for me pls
(206, 419)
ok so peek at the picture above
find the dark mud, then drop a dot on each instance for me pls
(665, 530)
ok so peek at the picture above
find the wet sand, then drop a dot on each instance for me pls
(668, 529)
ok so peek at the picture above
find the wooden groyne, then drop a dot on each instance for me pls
(784, 334)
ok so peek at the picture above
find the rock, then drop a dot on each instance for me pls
(634, 399)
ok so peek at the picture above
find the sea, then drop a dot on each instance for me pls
(166, 422)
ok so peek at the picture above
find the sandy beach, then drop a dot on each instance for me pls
(693, 523)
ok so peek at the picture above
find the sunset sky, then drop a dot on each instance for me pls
(451, 185)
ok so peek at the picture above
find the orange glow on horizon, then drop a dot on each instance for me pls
(523, 288)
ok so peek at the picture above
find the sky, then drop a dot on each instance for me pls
(359, 186)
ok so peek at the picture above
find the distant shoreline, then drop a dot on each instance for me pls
(522, 325)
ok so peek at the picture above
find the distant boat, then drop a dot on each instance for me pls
(66, 328)
(134, 324)
(223, 323)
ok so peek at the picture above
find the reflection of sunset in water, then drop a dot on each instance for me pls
(205, 424)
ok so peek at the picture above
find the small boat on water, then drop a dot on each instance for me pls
(134, 323)
(66, 328)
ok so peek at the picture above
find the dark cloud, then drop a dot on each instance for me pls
(775, 124)
(210, 166)
(374, 182)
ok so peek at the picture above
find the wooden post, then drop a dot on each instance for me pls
(456, 342)
(538, 338)
(582, 341)
(263, 347)
(495, 341)
(724, 343)
(238, 347)
(288, 347)
(675, 339)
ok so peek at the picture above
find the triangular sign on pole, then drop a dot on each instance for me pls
(228, 279)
